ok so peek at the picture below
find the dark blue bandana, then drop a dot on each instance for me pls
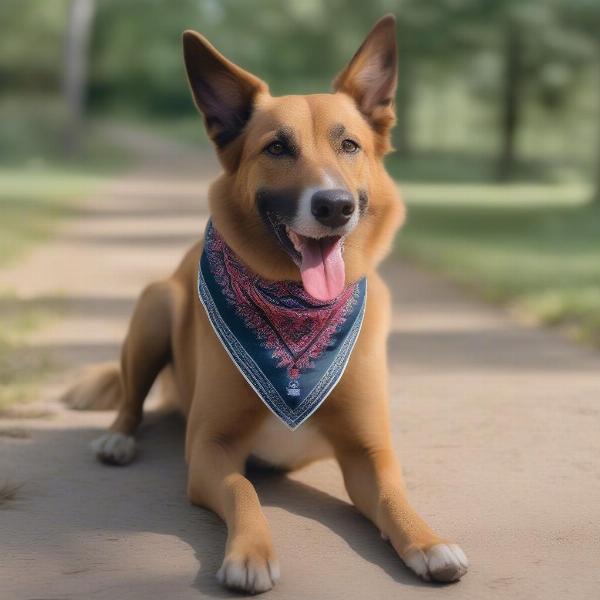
(291, 348)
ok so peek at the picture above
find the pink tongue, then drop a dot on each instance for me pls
(322, 268)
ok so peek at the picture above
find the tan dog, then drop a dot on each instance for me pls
(278, 155)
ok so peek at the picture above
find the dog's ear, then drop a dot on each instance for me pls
(223, 92)
(372, 75)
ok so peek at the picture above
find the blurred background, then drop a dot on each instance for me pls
(498, 136)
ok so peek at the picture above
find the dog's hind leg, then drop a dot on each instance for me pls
(145, 352)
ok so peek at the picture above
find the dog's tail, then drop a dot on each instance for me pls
(98, 388)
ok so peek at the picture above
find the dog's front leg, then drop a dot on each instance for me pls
(216, 481)
(374, 482)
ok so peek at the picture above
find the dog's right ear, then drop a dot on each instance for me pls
(223, 92)
(371, 78)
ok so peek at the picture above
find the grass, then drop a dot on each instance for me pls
(34, 199)
(534, 247)
(33, 202)
(38, 190)
(462, 167)
(21, 367)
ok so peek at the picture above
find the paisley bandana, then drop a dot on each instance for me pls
(291, 348)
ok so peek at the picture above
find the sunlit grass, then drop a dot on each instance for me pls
(21, 367)
(33, 202)
(21, 372)
(38, 190)
(482, 196)
(534, 247)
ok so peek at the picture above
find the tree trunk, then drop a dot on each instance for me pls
(79, 28)
(596, 196)
(402, 135)
(404, 98)
(511, 101)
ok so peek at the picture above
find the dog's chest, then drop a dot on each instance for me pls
(276, 445)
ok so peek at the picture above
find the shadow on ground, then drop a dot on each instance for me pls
(64, 509)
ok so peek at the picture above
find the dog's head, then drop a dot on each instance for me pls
(304, 193)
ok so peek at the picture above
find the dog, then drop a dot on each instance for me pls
(303, 198)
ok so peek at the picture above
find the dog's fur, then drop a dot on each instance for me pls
(329, 141)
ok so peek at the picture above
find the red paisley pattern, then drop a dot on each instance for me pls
(290, 323)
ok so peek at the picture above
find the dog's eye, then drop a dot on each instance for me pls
(350, 146)
(276, 149)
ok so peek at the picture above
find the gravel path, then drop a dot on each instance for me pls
(498, 427)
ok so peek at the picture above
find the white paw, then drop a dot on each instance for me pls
(249, 575)
(114, 448)
(444, 562)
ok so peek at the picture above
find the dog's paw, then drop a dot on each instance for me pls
(442, 562)
(114, 448)
(250, 574)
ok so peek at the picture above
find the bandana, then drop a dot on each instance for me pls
(291, 348)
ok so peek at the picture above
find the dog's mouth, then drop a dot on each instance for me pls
(319, 259)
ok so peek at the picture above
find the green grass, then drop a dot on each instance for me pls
(22, 368)
(460, 166)
(535, 247)
(38, 190)
(33, 202)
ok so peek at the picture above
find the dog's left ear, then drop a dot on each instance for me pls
(371, 77)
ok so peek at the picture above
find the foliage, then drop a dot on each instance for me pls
(31, 45)
(534, 247)
(452, 56)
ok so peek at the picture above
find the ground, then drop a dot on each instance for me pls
(496, 425)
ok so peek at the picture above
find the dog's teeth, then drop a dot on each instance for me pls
(294, 238)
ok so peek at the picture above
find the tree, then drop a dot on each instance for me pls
(596, 194)
(512, 92)
(584, 16)
(531, 41)
(79, 28)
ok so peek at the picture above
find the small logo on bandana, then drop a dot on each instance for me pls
(291, 348)
(293, 388)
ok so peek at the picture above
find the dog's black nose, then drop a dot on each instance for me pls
(332, 208)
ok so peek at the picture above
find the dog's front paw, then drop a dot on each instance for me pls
(442, 562)
(248, 572)
(114, 448)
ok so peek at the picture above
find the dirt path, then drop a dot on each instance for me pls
(498, 427)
